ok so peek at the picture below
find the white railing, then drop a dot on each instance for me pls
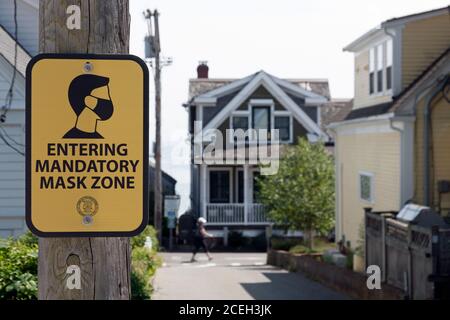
(256, 213)
(234, 213)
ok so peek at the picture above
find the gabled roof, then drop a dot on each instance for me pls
(207, 86)
(440, 66)
(210, 97)
(417, 16)
(278, 88)
(7, 50)
(379, 30)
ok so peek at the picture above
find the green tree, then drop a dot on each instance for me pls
(301, 194)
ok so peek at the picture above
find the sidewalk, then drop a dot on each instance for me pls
(232, 276)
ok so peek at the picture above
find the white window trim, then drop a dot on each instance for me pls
(230, 182)
(260, 103)
(291, 125)
(384, 91)
(273, 113)
(372, 186)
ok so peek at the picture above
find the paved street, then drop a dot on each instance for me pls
(232, 276)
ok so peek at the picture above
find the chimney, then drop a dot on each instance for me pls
(202, 70)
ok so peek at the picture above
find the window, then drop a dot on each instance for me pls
(261, 120)
(371, 70)
(389, 57)
(366, 186)
(282, 123)
(219, 187)
(240, 122)
(380, 68)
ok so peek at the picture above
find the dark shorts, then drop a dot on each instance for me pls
(199, 243)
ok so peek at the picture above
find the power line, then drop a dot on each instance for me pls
(10, 138)
(10, 94)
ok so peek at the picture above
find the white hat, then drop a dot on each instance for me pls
(201, 220)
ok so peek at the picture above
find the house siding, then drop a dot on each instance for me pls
(362, 97)
(423, 41)
(377, 153)
(439, 137)
(12, 178)
(27, 21)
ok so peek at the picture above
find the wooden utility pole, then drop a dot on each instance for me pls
(104, 262)
(158, 175)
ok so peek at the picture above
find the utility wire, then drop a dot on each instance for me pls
(10, 94)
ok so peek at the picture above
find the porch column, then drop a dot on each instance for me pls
(203, 182)
(246, 192)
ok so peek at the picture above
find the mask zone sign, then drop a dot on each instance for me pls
(87, 145)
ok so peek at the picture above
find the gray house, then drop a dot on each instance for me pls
(226, 194)
(16, 49)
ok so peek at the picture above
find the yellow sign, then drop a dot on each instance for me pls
(87, 145)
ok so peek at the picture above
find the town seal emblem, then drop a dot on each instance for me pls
(87, 206)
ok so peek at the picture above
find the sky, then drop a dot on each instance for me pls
(287, 38)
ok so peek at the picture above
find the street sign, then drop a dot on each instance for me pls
(87, 145)
(171, 219)
(171, 204)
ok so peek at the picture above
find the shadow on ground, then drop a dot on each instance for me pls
(290, 286)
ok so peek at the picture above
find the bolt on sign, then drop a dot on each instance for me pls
(87, 145)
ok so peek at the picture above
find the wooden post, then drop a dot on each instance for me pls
(158, 175)
(104, 262)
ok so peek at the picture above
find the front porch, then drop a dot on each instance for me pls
(236, 214)
(229, 195)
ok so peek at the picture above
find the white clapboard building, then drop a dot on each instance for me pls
(16, 49)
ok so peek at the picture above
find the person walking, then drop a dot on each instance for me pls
(199, 239)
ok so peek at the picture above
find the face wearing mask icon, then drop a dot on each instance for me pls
(90, 99)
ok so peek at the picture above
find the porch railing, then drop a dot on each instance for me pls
(234, 213)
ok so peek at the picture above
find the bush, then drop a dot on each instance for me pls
(144, 262)
(18, 268)
(285, 243)
(139, 240)
(301, 249)
(301, 194)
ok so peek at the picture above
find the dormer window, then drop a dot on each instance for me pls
(380, 68)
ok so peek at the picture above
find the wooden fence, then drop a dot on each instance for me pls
(407, 254)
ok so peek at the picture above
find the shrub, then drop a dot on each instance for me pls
(18, 268)
(301, 249)
(139, 240)
(144, 262)
(284, 243)
(301, 194)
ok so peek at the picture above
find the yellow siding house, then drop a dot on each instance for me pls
(384, 154)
